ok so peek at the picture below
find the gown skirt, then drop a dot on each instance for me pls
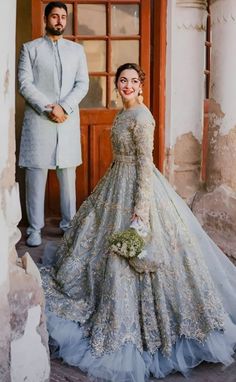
(121, 324)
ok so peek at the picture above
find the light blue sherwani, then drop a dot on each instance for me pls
(51, 73)
(45, 144)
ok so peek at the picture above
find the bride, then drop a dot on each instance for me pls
(127, 320)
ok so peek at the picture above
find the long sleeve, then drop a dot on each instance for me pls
(80, 87)
(27, 87)
(143, 138)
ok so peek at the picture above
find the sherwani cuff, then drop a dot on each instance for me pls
(40, 110)
(66, 107)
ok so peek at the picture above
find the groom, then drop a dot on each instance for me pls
(53, 79)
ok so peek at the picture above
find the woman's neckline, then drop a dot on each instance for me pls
(132, 108)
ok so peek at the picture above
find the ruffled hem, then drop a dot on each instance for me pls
(128, 364)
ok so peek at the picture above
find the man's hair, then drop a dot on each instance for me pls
(54, 4)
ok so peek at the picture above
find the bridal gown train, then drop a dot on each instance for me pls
(120, 325)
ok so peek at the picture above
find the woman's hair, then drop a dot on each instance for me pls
(129, 65)
(54, 4)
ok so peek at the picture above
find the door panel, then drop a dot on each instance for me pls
(101, 152)
(82, 184)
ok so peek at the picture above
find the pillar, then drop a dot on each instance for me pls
(216, 208)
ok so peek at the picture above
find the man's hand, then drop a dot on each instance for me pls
(57, 114)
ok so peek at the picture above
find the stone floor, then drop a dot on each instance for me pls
(61, 372)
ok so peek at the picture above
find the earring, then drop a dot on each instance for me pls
(117, 96)
(140, 96)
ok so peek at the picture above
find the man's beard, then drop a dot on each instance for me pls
(54, 31)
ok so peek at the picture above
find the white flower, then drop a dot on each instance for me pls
(127, 243)
(143, 254)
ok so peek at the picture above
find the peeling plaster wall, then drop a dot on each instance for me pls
(216, 208)
(222, 117)
(7, 17)
(221, 163)
(23, 368)
(24, 33)
(216, 212)
(184, 95)
(21, 310)
(28, 326)
(186, 155)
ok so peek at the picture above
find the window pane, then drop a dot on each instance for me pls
(96, 55)
(69, 24)
(96, 96)
(115, 99)
(125, 19)
(92, 19)
(124, 51)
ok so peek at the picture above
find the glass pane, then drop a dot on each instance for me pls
(92, 19)
(96, 96)
(69, 25)
(125, 19)
(96, 55)
(124, 51)
(115, 99)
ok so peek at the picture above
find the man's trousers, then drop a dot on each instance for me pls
(36, 179)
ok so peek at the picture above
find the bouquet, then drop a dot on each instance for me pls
(130, 245)
(127, 244)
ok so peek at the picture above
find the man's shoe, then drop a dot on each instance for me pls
(29, 230)
(34, 239)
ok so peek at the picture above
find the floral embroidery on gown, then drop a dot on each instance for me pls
(121, 325)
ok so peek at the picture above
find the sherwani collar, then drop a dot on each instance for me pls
(59, 41)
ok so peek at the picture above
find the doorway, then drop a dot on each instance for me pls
(112, 32)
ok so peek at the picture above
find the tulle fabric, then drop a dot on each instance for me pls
(127, 364)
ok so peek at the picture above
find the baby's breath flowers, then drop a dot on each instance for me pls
(127, 244)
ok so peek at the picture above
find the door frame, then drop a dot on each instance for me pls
(158, 77)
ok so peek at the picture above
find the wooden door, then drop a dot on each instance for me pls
(112, 33)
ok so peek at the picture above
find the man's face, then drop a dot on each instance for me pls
(56, 21)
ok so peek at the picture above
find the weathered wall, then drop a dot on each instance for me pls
(21, 310)
(185, 94)
(24, 33)
(8, 188)
(29, 355)
(216, 208)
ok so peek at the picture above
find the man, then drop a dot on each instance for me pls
(53, 79)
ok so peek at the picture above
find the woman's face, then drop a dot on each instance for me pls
(129, 84)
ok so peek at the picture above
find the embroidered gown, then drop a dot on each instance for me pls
(119, 324)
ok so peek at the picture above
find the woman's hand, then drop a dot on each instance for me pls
(135, 217)
(138, 224)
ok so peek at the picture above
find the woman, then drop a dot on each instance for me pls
(123, 320)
